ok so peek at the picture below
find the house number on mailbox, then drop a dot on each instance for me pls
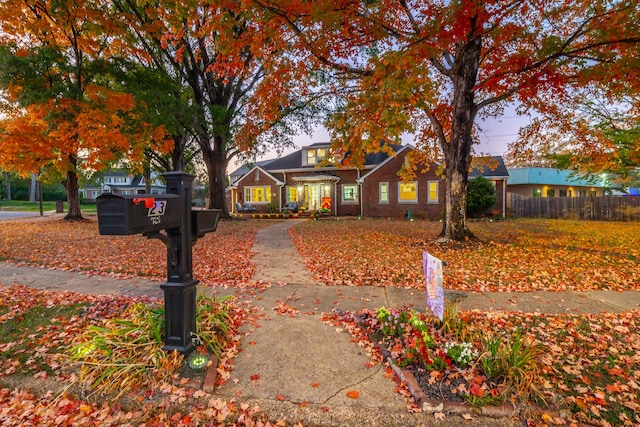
(158, 208)
(157, 211)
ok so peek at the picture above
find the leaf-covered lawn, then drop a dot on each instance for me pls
(36, 364)
(590, 364)
(220, 257)
(515, 255)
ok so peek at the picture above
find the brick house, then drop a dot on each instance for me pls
(374, 190)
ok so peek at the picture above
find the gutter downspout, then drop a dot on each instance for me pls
(284, 182)
(335, 195)
(359, 182)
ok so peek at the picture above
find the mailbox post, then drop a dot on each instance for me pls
(126, 215)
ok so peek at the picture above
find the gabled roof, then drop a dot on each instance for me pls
(494, 168)
(382, 158)
(242, 170)
(548, 176)
(260, 168)
(115, 172)
(290, 161)
(294, 160)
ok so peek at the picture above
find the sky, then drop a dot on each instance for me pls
(496, 134)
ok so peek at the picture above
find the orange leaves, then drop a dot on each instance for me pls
(476, 390)
(521, 255)
(78, 247)
(353, 394)
(54, 78)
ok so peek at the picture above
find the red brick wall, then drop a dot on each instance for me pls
(264, 180)
(369, 192)
(395, 209)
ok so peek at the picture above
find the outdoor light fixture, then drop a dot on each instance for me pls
(198, 362)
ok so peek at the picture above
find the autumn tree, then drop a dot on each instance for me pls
(52, 59)
(163, 100)
(433, 68)
(600, 134)
(236, 74)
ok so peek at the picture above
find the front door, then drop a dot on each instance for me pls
(313, 196)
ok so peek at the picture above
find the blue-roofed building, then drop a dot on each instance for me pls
(303, 179)
(548, 182)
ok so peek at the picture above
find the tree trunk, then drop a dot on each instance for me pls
(73, 198)
(457, 153)
(216, 163)
(147, 178)
(455, 223)
(7, 183)
(33, 189)
(177, 154)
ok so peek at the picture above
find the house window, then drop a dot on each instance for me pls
(432, 197)
(349, 193)
(592, 193)
(257, 194)
(562, 193)
(582, 193)
(316, 155)
(292, 194)
(384, 192)
(551, 192)
(257, 175)
(537, 192)
(407, 192)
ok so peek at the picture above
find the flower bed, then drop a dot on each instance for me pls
(551, 369)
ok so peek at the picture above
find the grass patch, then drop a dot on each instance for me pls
(28, 337)
(126, 352)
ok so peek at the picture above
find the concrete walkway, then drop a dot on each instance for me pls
(295, 367)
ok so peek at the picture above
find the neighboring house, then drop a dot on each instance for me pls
(121, 182)
(548, 182)
(374, 190)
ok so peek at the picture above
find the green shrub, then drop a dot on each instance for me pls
(480, 195)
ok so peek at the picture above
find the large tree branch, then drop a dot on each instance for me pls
(323, 59)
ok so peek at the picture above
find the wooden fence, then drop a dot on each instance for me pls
(606, 208)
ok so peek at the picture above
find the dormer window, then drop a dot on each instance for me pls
(315, 155)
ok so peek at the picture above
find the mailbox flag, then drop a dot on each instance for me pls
(433, 279)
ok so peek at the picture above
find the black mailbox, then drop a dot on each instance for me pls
(204, 221)
(125, 215)
(148, 215)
